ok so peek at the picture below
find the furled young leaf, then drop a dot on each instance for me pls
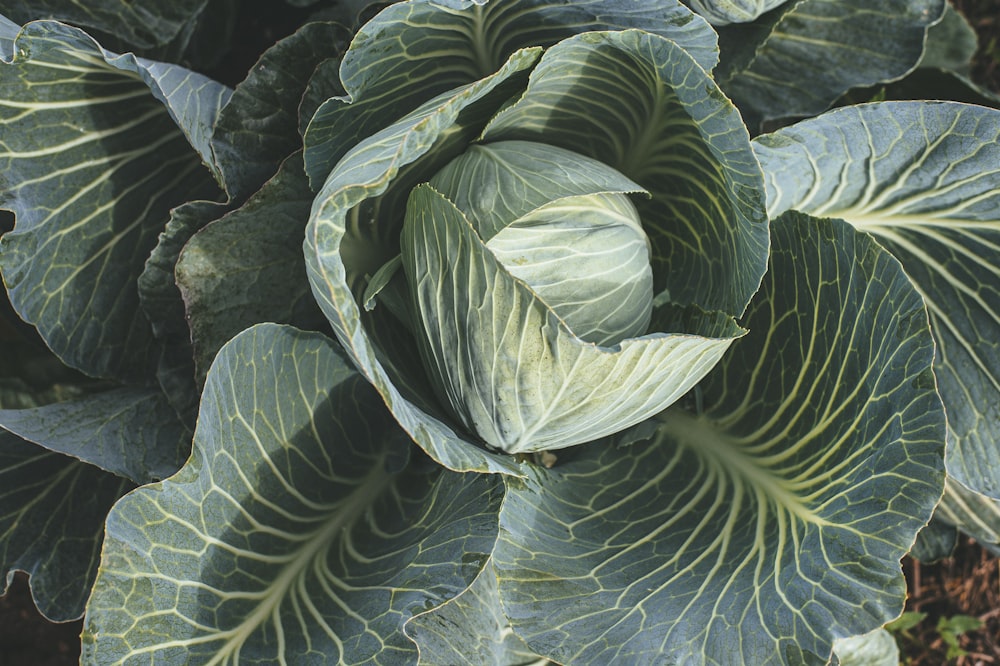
(415, 50)
(923, 178)
(680, 139)
(294, 534)
(132, 432)
(140, 23)
(52, 511)
(800, 59)
(470, 629)
(500, 182)
(248, 267)
(340, 252)
(355, 223)
(561, 223)
(768, 523)
(566, 391)
(96, 149)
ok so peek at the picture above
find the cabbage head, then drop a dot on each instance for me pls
(553, 248)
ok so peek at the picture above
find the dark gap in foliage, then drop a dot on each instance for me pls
(984, 16)
(258, 25)
(28, 638)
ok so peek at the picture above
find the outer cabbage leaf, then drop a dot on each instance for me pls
(974, 513)
(8, 33)
(936, 541)
(947, 84)
(876, 648)
(30, 374)
(323, 84)
(259, 126)
(724, 12)
(951, 44)
(52, 511)
(470, 629)
(294, 534)
(798, 60)
(129, 431)
(944, 68)
(768, 519)
(415, 50)
(923, 178)
(96, 149)
(256, 129)
(162, 304)
(141, 23)
(641, 105)
(247, 267)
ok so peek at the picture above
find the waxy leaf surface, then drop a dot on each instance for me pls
(96, 149)
(129, 431)
(768, 518)
(52, 511)
(141, 23)
(641, 105)
(471, 628)
(799, 59)
(247, 268)
(413, 51)
(163, 306)
(259, 126)
(723, 12)
(974, 513)
(296, 533)
(924, 179)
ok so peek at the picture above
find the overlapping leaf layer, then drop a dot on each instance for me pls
(459, 455)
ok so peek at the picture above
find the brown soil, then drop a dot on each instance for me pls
(966, 584)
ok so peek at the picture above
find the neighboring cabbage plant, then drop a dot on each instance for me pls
(490, 332)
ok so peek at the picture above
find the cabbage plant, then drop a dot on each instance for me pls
(490, 331)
